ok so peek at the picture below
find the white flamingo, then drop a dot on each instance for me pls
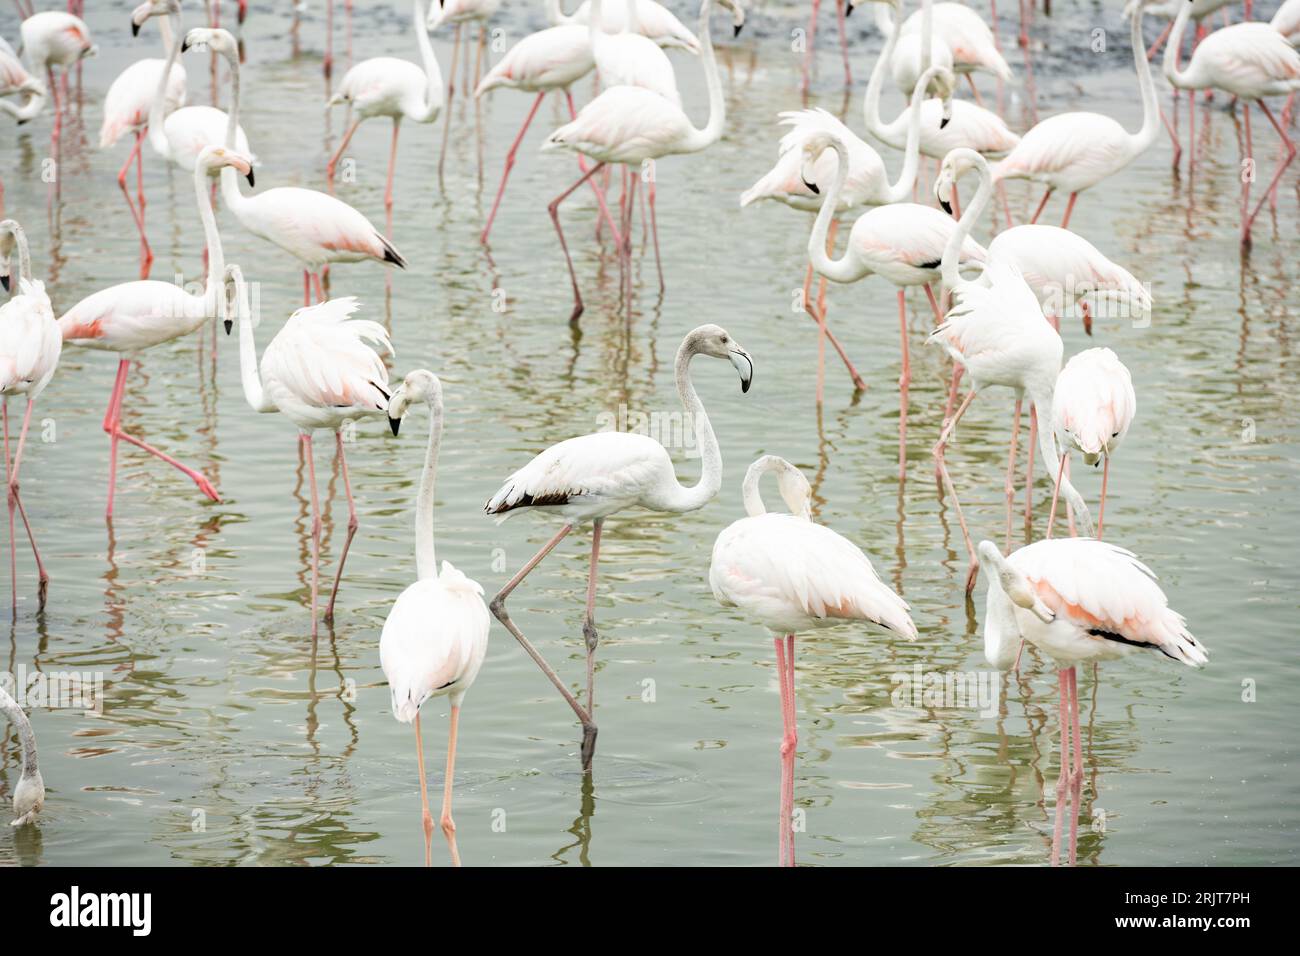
(29, 794)
(436, 636)
(392, 87)
(1093, 407)
(630, 58)
(133, 316)
(653, 20)
(323, 369)
(790, 575)
(1077, 600)
(52, 39)
(30, 344)
(590, 478)
(963, 32)
(996, 332)
(16, 83)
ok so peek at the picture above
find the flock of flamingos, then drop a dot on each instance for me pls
(996, 307)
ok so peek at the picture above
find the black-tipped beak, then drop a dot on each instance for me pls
(135, 30)
(812, 186)
(185, 45)
(947, 206)
(394, 424)
(4, 283)
(745, 366)
(848, 10)
(249, 177)
(229, 324)
(944, 122)
(22, 122)
(735, 30)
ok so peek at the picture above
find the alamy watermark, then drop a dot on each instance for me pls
(56, 690)
(675, 429)
(947, 690)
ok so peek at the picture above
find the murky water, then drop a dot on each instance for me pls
(226, 737)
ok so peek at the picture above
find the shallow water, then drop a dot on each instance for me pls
(226, 737)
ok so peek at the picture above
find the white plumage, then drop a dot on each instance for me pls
(1093, 404)
(652, 20)
(549, 59)
(30, 342)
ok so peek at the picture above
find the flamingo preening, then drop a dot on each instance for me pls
(29, 794)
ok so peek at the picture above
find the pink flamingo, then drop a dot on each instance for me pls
(1076, 151)
(323, 369)
(30, 344)
(790, 574)
(436, 634)
(1077, 600)
(54, 38)
(1093, 407)
(1251, 61)
(392, 87)
(134, 316)
(29, 793)
(127, 107)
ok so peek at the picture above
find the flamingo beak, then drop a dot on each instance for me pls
(135, 29)
(848, 10)
(735, 31)
(4, 282)
(395, 424)
(249, 176)
(947, 206)
(745, 366)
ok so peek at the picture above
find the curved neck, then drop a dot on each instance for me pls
(712, 132)
(9, 707)
(165, 28)
(969, 216)
(232, 117)
(216, 259)
(841, 269)
(871, 105)
(902, 187)
(230, 194)
(24, 255)
(433, 74)
(156, 136)
(249, 375)
(698, 495)
(1150, 129)
(34, 104)
(1040, 394)
(426, 566)
(1169, 64)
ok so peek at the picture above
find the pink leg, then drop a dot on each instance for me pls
(1076, 773)
(654, 230)
(1029, 471)
(329, 38)
(975, 91)
(904, 381)
(305, 439)
(1039, 211)
(1289, 154)
(1056, 493)
(818, 315)
(591, 639)
(451, 89)
(110, 426)
(146, 254)
(1101, 512)
(1087, 317)
(811, 41)
(940, 446)
(844, 43)
(320, 291)
(388, 190)
(782, 822)
(794, 742)
(934, 304)
(1063, 717)
(427, 817)
(446, 822)
(306, 287)
(352, 528)
(1069, 208)
(43, 577)
(510, 163)
(554, 210)
(1173, 133)
(1010, 486)
(333, 163)
(13, 551)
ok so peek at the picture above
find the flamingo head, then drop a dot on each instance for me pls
(1013, 583)
(813, 147)
(214, 158)
(216, 39)
(715, 342)
(794, 487)
(420, 385)
(954, 166)
(737, 15)
(29, 798)
(152, 8)
(7, 243)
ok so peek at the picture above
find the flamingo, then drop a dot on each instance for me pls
(459, 13)
(592, 477)
(1287, 21)
(398, 89)
(127, 107)
(133, 316)
(54, 38)
(995, 331)
(30, 344)
(630, 58)
(902, 242)
(960, 29)
(653, 20)
(29, 794)
(790, 574)
(1061, 266)
(323, 369)
(313, 227)
(1078, 600)
(1076, 151)
(1092, 409)
(436, 636)
(548, 61)
(16, 82)
(1250, 61)
(630, 125)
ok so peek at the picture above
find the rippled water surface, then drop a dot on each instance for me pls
(227, 737)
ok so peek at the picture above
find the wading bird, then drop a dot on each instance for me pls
(790, 575)
(29, 794)
(134, 316)
(53, 38)
(436, 635)
(653, 20)
(1077, 600)
(30, 344)
(589, 478)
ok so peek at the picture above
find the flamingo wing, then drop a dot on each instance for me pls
(328, 359)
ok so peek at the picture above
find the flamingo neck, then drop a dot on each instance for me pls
(1150, 128)
(842, 269)
(1040, 392)
(1183, 79)
(9, 707)
(902, 187)
(157, 138)
(680, 498)
(216, 258)
(24, 254)
(232, 117)
(249, 375)
(969, 216)
(702, 138)
(426, 565)
(433, 90)
(871, 105)
(33, 105)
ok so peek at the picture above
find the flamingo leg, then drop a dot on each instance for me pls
(498, 608)
(1063, 720)
(1043, 202)
(333, 163)
(793, 740)
(591, 638)
(1289, 149)
(582, 165)
(1076, 773)
(451, 90)
(146, 254)
(789, 738)
(904, 380)
(654, 231)
(946, 478)
(844, 43)
(320, 292)
(305, 439)
(510, 163)
(810, 42)
(43, 576)
(819, 317)
(1056, 493)
(352, 528)
(392, 168)
(975, 90)
(1010, 486)
(427, 818)
(1029, 470)
(110, 420)
(1101, 513)
(1069, 208)
(13, 551)
(306, 287)
(447, 823)
(329, 39)
(554, 210)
